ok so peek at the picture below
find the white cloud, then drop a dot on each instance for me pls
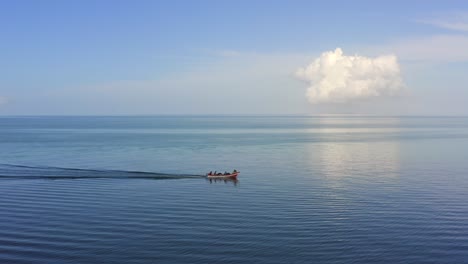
(455, 21)
(433, 49)
(337, 78)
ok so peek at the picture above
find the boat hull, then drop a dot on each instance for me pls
(232, 175)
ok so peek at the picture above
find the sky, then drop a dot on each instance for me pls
(233, 57)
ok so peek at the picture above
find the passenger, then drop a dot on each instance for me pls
(234, 171)
(210, 173)
(226, 173)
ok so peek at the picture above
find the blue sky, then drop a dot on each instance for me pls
(222, 57)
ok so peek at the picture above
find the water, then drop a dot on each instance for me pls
(327, 189)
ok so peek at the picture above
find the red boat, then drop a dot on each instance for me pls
(222, 175)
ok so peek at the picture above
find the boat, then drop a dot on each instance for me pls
(223, 176)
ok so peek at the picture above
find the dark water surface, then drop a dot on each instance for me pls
(328, 189)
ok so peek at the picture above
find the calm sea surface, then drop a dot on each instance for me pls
(328, 189)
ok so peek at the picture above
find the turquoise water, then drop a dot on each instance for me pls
(327, 189)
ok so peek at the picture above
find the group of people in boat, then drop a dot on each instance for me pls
(220, 173)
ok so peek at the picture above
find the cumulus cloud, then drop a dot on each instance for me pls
(337, 78)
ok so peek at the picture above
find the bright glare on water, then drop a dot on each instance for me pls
(326, 189)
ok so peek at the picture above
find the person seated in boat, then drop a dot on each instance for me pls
(210, 173)
(234, 171)
(226, 173)
(219, 173)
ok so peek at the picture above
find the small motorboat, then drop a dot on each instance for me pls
(222, 175)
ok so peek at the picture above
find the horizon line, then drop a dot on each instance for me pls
(226, 115)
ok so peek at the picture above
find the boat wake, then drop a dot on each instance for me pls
(10, 171)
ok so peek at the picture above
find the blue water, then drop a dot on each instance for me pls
(326, 189)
